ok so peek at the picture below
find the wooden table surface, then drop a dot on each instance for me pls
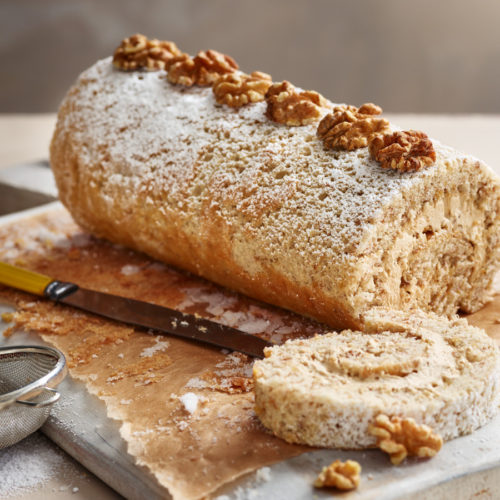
(25, 138)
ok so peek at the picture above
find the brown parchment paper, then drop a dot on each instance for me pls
(142, 376)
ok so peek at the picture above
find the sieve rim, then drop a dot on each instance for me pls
(51, 379)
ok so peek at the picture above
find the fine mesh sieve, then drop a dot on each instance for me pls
(28, 375)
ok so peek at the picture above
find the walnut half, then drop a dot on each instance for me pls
(404, 437)
(237, 89)
(204, 69)
(351, 128)
(137, 52)
(408, 150)
(286, 105)
(340, 475)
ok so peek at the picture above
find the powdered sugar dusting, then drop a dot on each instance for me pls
(189, 401)
(233, 364)
(196, 383)
(129, 269)
(216, 301)
(254, 326)
(262, 475)
(253, 320)
(28, 465)
(37, 239)
(158, 346)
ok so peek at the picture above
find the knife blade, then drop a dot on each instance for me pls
(134, 312)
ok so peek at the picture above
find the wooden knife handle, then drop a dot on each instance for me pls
(22, 279)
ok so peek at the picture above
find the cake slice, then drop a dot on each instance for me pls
(326, 391)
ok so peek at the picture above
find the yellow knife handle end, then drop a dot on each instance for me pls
(22, 279)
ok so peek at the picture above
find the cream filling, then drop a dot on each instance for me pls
(441, 259)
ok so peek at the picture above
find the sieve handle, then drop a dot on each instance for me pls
(22, 279)
(40, 404)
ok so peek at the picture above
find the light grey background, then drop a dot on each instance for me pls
(407, 56)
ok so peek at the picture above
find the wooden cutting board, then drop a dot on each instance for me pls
(466, 467)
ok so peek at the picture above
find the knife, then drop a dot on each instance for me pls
(134, 312)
